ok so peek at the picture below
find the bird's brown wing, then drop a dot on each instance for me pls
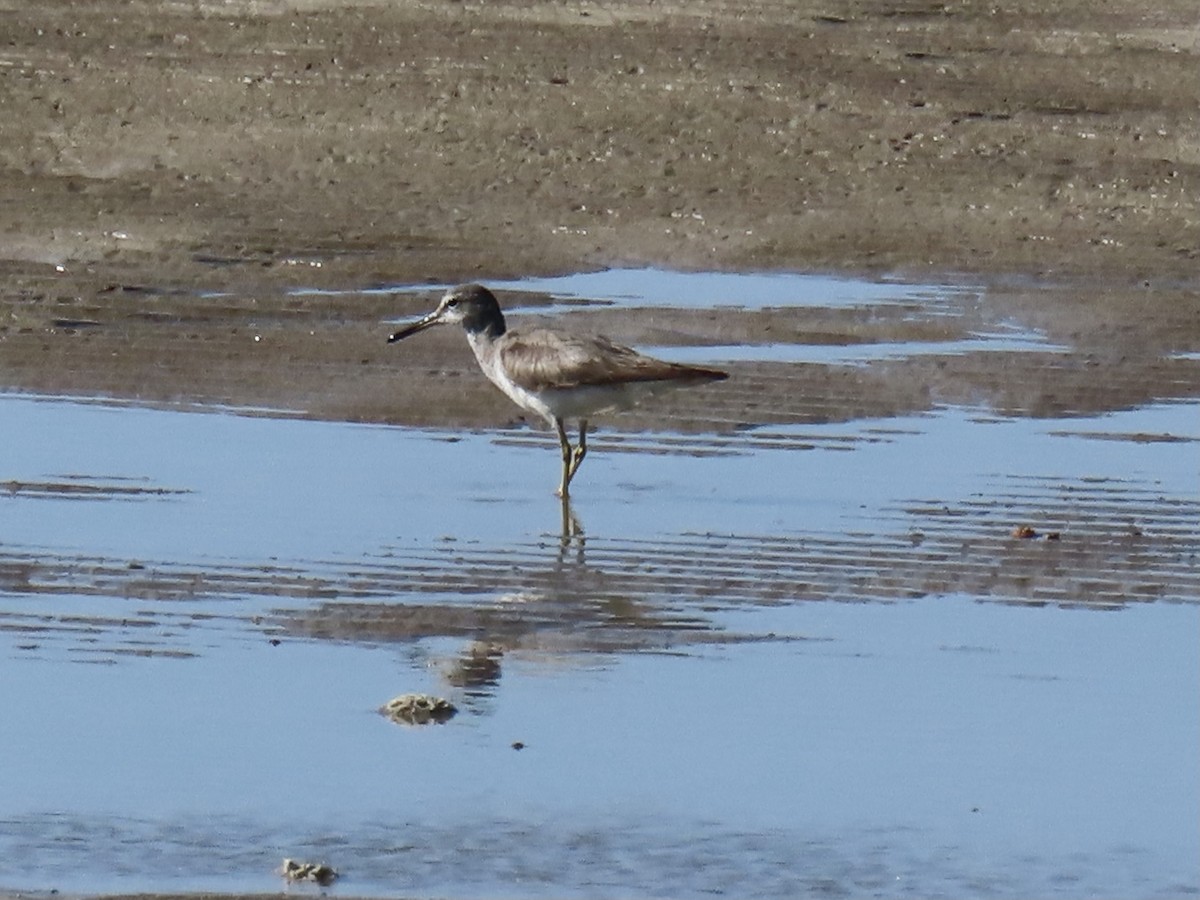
(541, 359)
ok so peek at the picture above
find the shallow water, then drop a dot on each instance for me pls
(790, 660)
(658, 288)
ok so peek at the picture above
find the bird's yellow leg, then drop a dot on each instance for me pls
(580, 450)
(571, 456)
(567, 456)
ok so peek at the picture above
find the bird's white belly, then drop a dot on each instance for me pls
(569, 403)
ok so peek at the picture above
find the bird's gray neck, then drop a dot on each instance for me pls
(487, 354)
(485, 325)
(488, 330)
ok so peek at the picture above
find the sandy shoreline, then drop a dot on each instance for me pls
(171, 171)
(235, 145)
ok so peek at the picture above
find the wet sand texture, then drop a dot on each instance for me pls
(149, 151)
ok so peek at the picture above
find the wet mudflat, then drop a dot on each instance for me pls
(906, 608)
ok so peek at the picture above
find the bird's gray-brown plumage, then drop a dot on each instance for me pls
(544, 358)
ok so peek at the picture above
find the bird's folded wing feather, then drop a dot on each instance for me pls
(542, 359)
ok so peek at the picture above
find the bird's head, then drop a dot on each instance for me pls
(471, 305)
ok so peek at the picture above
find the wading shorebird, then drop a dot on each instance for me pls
(556, 374)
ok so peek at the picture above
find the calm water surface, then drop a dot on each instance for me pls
(758, 672)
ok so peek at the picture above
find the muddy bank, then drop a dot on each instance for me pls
(326, 356)
(231, 142)
(169, 171)
(152, 152)
(217, 143)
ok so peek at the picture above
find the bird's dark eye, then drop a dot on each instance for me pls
(452, 302)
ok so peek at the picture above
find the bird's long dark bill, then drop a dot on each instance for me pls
(421, 325)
